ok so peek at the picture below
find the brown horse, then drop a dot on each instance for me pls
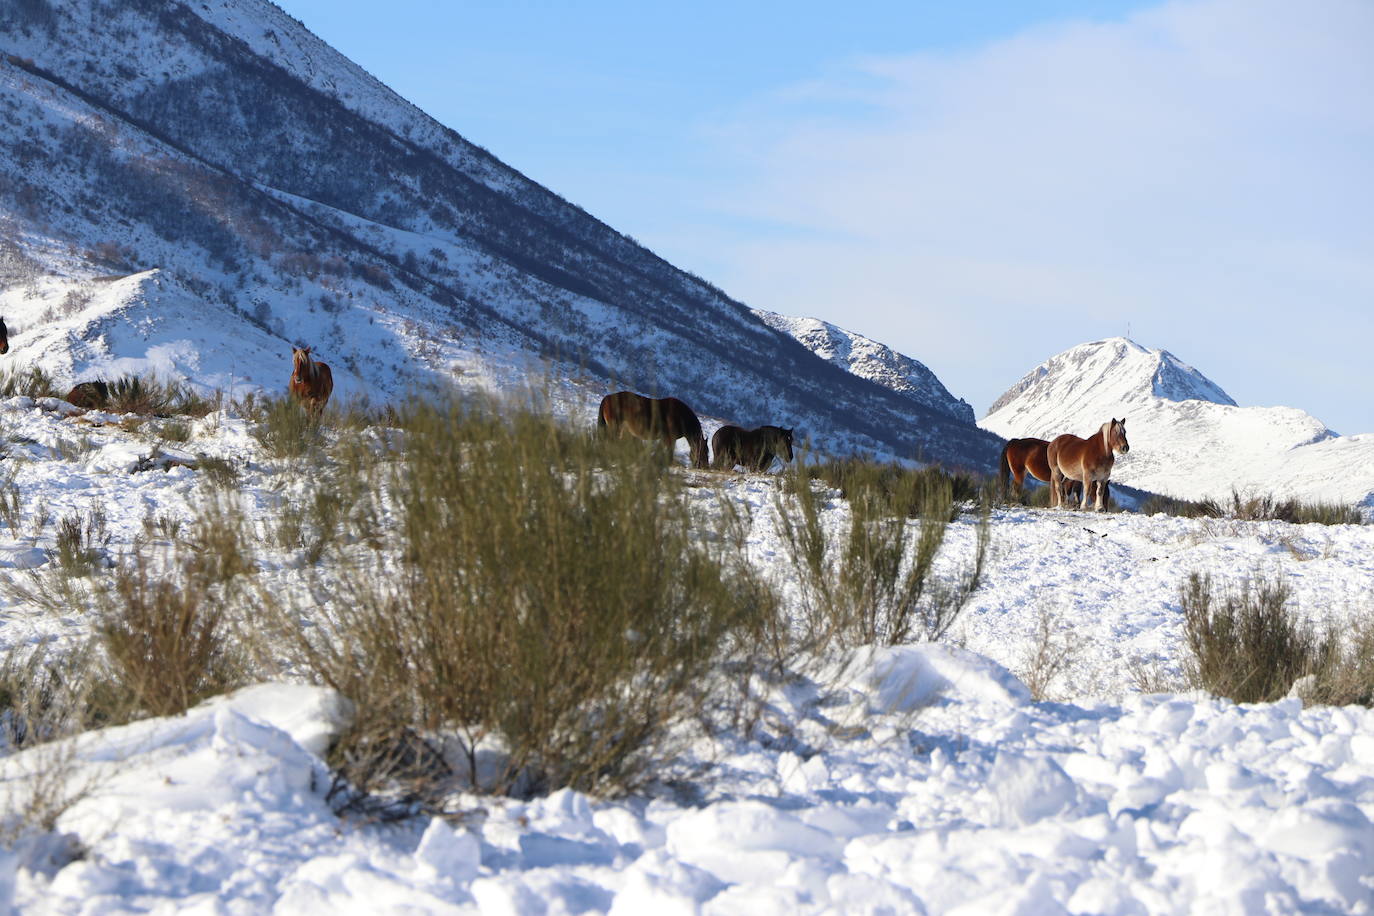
(665, 419)
(311, 381)
(1027, 456)
(4, 337)
(753, 449)
(1088, 460)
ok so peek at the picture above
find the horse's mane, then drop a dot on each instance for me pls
(302, 356)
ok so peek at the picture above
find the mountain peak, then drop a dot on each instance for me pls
(869, 359)
(1109, 374)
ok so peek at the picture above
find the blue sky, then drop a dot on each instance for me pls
(980, 185)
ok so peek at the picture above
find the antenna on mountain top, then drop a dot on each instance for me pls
(1128, 330)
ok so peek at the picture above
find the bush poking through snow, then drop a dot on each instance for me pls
(1264, 507)
(166, 632)
(286, 430)
(877, 582)
(27, 381)
(1248, 647)
(548, 607)
(1253, 648)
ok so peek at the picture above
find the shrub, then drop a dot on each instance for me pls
(165, 632)
(876, 583)
(891, 481)
(547, 596)
(1263, 507)
(286, 429)
(1247, 646)
(28, 381)
(1158, 504)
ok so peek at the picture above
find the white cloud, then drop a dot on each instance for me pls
(1202, 170)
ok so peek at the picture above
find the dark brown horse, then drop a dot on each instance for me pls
(753, 449)
(1087, 460)
(665, 419)
(311, 381)
(4, 337)
(1028, 456)
(93, 395)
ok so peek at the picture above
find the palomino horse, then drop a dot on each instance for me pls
(4, 337)
(1088, 460)
(311, 381)
(665, 419)
(753, 449)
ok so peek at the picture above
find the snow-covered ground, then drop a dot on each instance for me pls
(920, 779)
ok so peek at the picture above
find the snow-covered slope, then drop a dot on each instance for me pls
(283, 195)
(1188, 437)
(877, 362)
(916, 779)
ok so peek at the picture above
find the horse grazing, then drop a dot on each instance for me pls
(93, 395)
(1087, 460)
(753, 449)
(311, 381)
(665, 419)
(4, 337)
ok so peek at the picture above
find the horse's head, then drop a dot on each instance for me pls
(4, 337)
(1116, 436)
(785, 444)
(300, 361)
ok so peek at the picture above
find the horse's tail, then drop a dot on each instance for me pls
(1004, 469)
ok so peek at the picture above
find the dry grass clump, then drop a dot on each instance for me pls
(165, 628)
(285, 429)
(1252, 647)
(894, 483)
(29, 381)
(876, 582)
(1262, 507)
(548, 607)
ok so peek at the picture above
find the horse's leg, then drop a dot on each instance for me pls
(1056, 482)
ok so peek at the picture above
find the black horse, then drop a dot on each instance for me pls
(753, 449)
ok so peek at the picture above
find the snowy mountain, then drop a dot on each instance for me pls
(867, 358)
(1188, 437)
(194, 187)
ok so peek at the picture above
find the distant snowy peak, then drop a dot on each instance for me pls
(1188, 438)
(869, 359)
(1115, 369)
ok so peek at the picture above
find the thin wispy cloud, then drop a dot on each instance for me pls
(1199, 170)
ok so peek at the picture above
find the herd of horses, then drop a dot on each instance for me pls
(1062, 462)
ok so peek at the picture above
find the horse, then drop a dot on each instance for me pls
(1026, 456)
(1088, 460)
(93, 395)
(311, 381)
(4, 337)
(666, 419)
(754, 449)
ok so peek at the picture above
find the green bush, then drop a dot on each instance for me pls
(548, 595)
(285, 429)
(876, 581)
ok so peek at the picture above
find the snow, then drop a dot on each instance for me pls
(908, 779)
(1188, 438)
